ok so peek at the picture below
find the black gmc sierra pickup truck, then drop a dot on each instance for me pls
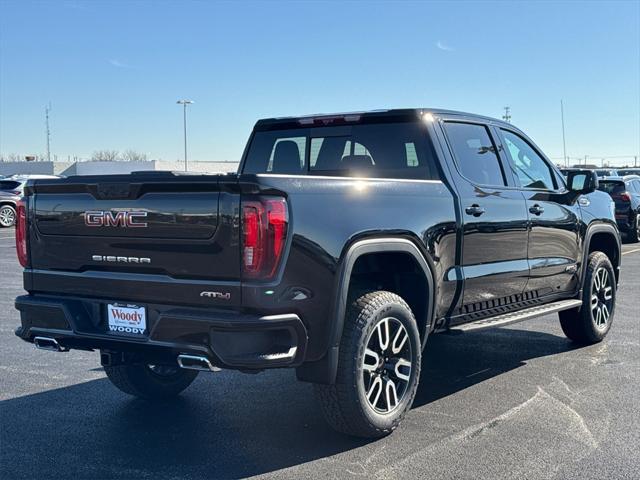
(343, 242)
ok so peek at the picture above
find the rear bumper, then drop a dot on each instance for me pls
(228, 339)
(624, 219)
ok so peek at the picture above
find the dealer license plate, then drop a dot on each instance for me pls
(127, 319)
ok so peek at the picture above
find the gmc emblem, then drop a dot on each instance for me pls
(124, 219)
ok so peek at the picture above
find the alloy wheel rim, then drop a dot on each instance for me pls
(387, 365)
(601, 298)
(7, 217)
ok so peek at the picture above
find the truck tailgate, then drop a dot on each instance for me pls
(113, 235)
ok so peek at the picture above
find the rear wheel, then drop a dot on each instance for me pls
(7, 216)
(591, 322)
(378, 368)
(151, 382)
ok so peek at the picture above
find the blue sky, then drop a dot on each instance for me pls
(114, 70)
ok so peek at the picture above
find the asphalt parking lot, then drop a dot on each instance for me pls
(520, 402)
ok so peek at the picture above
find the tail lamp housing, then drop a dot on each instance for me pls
(21, 233)
(265, 223)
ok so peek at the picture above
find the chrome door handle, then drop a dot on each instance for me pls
(536, 209)
(475, 210)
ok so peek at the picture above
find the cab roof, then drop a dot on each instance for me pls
(371, 116)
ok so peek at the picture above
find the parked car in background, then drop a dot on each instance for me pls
(628, 171)
(30, 176)
(10, 193)
(625, 192)
(11, 190)
(565, 171)
(606, 172)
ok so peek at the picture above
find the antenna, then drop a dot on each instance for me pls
(507, 115)
(47, 109)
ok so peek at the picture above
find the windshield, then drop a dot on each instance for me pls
(392, 150)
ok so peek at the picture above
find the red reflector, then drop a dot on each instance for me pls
(264, 233)
(21, 233)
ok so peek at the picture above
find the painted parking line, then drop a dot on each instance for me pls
(631, 251)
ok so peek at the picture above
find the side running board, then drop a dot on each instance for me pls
(515, 317)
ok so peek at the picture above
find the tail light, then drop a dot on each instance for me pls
(264, 233)
(21, 233)
(625, 197)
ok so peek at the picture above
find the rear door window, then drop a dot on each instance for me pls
(387, 150)
(475, 153)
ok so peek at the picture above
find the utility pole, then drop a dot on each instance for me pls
(47, 109)
(507, 115)
(564, 143)
(184, 104)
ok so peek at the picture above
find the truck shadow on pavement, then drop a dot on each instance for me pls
(225, 425)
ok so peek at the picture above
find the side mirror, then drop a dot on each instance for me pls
(582, 181)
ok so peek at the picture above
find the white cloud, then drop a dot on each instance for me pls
(443, 46)
(117, 63)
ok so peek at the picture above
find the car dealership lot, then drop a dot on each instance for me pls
(513, 402)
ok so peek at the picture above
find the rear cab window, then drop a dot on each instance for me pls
(399, 150)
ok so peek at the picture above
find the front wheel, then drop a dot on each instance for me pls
(7, 216)
(150, 382)
(591, 322)
(378, 367)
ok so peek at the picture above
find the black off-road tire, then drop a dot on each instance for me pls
(579, 324)
(344, 404)
(143, 382)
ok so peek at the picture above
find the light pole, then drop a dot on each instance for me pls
(184, 104)
(564, 143)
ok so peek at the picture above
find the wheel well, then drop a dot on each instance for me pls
(397, 272)
(11, 204)
(606, 243)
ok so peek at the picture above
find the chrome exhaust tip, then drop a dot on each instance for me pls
(51, 344)
(196, 362)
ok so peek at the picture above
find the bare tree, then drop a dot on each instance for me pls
(133, 156)
(105, 156)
